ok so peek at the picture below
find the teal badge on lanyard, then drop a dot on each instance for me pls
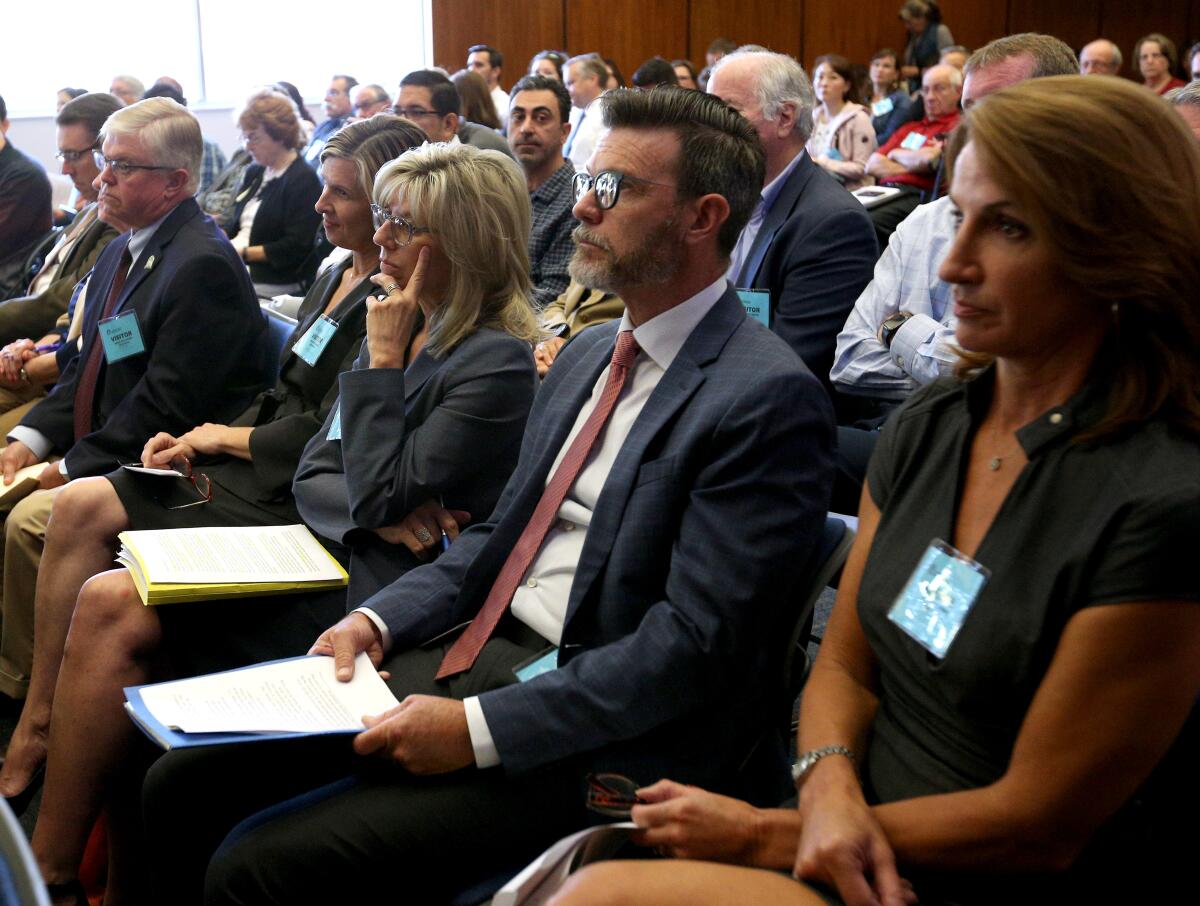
(310, 346)
(881, 108)
(938, 596)
(757, 303)
(122, 337)
(914, 141)
(335, 426)
(542, 662)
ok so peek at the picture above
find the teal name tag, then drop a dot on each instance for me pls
(757, 304)
(938, 596)
(335, 426)
(914, 141)
(310, 346)
(835, 154)
(122, 337)
(542, 663)
(882, 108)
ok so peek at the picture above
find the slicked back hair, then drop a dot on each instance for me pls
(88, 110)
(719, 151)
(1051, 57)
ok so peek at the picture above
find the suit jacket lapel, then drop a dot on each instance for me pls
(781, 210)
(152, 254)
(677, 386)
(417, 374)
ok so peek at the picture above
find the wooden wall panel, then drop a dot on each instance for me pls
(1125, 22)
(773, 23)
(855, 30)
(1074, 22)
(629, 31)
(518, 28)
(972, 22)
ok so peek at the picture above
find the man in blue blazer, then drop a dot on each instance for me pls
(173, 337)
(809, 243)
(671, 484)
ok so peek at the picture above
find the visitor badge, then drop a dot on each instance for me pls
(757, 303)
(938, 596)
(882, 108)
(122, 337)
(914, 141)
(335, 426)
(310, 346)
(835, 154)
(542, 662)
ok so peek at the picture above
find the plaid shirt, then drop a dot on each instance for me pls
(212, 163)
(550, 242)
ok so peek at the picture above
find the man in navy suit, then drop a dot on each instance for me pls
(172, 337)
(643, 557)
(809, 242)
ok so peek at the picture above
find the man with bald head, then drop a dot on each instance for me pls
(909, 160)
(1100, 57)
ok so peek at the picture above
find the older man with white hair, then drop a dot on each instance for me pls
(1100, 57)
(172, 338)
(809, 244)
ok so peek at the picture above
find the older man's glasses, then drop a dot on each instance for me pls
(607, 184)
(403, 230)
(122, 168)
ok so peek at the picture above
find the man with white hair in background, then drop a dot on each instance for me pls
(809, 244)
(1186, 102)
(126, 89)
(1100, 57)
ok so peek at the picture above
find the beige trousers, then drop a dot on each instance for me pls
(24, 537)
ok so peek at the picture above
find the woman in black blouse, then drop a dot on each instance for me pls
(1012, 725)
(274, 224)
(250, 465)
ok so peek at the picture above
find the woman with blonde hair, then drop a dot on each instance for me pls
(273, 222)
(1002, 708)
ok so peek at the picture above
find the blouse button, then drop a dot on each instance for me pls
(1056, 418)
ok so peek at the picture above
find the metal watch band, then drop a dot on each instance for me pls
(806, 762)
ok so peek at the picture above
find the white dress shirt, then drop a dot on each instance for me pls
(540, 601)
(586, 127)
(905, 280)
(500, 100)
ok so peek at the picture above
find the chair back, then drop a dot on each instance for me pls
(20, 881)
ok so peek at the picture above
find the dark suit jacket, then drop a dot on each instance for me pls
(205, 336)
(286, 417)
(815, 254)
(446, 428)
(286, 222)
(690, 562)
(34, 316)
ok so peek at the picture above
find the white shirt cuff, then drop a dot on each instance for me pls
(907, 342)
(34, 439)
(62, 469)
(385, 636)
(486, 755)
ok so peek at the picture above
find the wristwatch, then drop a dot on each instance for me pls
(887, 330)
(809, 760)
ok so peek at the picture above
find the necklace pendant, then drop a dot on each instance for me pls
(994, 463)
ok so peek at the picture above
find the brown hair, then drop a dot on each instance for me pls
(842, 67)
(1126, 237)
(275, 113)
(475, 101)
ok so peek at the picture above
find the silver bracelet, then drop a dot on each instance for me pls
(806, 762)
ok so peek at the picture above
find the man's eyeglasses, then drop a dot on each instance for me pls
(69, 157)
(607, 184)
(120, 167)
(402, 230)
(414, 113)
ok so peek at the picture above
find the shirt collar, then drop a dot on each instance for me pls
(1056, 425)
(663, 336)
(772, 189)
(140, 238)
(553, 186)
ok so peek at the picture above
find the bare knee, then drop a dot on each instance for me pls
(87, 509)
(599, 884)
(110, 617)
